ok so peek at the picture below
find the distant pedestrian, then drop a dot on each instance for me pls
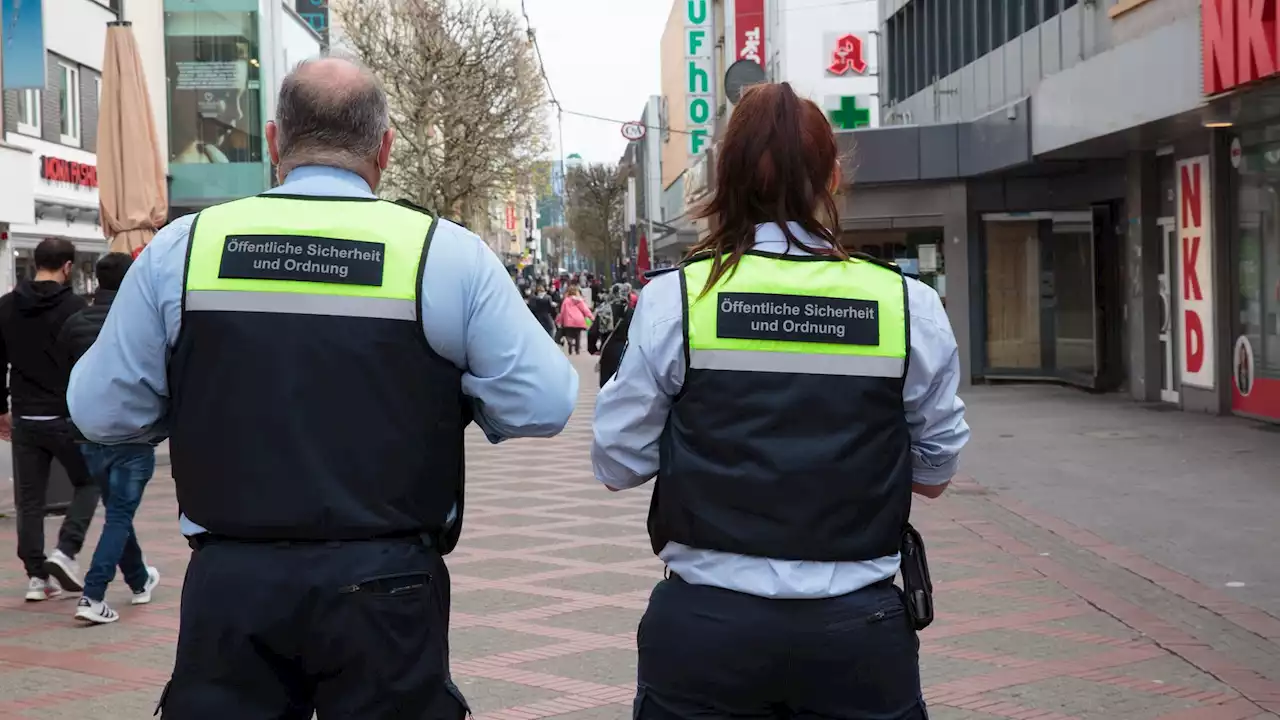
(575, 317)
(543, 309)
(30, 319)
(122, 471)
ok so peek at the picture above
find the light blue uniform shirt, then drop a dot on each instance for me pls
(520, 383)
(632, 409)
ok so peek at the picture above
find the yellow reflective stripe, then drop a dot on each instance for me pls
(301, 304)
(799, 363)
(850, 279)
(401, 230)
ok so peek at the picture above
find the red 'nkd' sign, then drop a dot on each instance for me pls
(1195, 272)
(1239, 41)
(58, 170)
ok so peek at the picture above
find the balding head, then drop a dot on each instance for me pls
(331, 112)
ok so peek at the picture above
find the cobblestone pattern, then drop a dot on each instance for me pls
(1038, 620)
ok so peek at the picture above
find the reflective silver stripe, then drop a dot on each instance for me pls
(800, 363)
(301, 304)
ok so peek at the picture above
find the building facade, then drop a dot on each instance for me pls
(829, 52)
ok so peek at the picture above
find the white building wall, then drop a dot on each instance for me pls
(147, 17)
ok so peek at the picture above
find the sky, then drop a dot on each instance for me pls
(602, 59)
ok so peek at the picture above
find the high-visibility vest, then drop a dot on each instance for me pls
(789, 438)
(306, 401)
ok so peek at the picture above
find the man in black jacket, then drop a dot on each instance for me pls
(30, 319)
(122, 471)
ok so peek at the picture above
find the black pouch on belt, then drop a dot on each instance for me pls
(917, 586)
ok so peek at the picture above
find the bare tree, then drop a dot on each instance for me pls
(466, 96)
(596, 193)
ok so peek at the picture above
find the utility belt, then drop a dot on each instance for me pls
(202, 540)
(917, 585)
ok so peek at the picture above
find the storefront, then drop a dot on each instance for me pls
(65, 205)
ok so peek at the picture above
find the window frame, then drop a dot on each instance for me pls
(34, 99)
(71, 77)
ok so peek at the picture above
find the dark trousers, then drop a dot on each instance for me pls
(122, 472)
(35, 445)
(355, 630)
(715, 654)
(573, 336)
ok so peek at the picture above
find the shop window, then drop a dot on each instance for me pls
(29, 112)
(983, 23)
(1258, 228)
(1013, 19)
(69, 103)
(1030, 14)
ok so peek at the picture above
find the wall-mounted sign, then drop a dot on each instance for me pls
(846, 54)
(700, 93)
(24, 53)
(511, 216)
(316, 13)
(1238, 42)
(1195, 272)
(55, 169)
(633, 130)
(848, 112)
(748, 25)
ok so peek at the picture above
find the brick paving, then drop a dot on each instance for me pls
(1038, 619)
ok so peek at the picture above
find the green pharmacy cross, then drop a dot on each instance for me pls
(849, 116)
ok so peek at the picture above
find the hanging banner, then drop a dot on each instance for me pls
(748, 26)
(23, 44)
(1195, 273)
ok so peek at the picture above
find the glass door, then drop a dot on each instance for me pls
(1168, 338)
(1071, 267)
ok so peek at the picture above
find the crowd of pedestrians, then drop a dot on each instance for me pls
(571, 306)
(44, 329)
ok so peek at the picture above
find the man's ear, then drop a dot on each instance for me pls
(384, 152)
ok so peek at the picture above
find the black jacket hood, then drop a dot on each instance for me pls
(36, 297)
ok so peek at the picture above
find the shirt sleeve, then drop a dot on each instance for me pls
(632, 407)
(520, 383)
(119, 389)
(935, 412)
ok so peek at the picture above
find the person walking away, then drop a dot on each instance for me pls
(623, 307)
(574, 317)
(295, 345)
(543, 309)
(30, 319)
(122, 471)
(600, 328)
(837, 377)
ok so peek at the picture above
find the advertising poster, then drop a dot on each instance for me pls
(215, 105)
(23, 44)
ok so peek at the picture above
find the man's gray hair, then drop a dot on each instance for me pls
(324, 121)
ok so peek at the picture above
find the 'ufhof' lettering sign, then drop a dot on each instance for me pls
(700, 89)
(1195, 272)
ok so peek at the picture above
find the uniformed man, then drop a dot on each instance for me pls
(789, 400)
(315, 354)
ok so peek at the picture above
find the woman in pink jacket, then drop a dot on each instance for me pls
(574, 317)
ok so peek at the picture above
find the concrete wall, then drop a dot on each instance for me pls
(671, 55)
(147, 17)
(943, 205)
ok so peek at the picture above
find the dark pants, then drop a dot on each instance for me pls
(122, 471)
(355, 630)
(35, 445)
(715, 654)
(574, 337)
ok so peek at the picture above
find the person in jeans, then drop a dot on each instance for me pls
(30, 318)
(122, 471)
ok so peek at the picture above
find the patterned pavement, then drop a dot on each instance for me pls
(1038, 620)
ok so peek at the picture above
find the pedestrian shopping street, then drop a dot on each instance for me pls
(1038, 619)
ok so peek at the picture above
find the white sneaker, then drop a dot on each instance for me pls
(95, 612)
(66, 570)
(153, 579)
(38, 589)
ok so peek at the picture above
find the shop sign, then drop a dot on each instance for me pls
(700, 96)
(54, 169)
(748, 25)
(511, 216)
(1195, 272)
(1239, 39)
(846, 54)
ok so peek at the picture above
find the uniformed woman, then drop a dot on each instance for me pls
(790, 399)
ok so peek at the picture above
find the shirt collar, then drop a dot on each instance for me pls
(323, 180)
(769, 238)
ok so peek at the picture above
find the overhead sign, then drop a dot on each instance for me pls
(56, 169)
(1195, 272)
(700, 92)
(633, 130)
(748, 26)
(846, 54)
(1239, 39)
